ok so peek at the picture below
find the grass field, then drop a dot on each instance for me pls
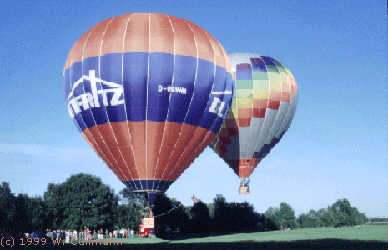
(359, 237)
(361, 233)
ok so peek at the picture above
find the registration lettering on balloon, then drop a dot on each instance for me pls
(172, 89)
(90, 100)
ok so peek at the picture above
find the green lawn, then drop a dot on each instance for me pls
(359, 237)
(362, 233)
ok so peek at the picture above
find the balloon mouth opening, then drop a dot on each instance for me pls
(147, 186)
(150, 188)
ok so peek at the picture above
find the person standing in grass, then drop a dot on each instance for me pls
(67, 236)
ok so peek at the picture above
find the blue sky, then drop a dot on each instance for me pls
(337, 146)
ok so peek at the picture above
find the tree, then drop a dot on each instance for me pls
(132, 199)
(327, 217)
(342, 211)
(284, 216)
(311, 219)
(170, 214)
(264, 223)
(29, 214)
(22, 219)
(346, 215)
(81, 201)
(242, 217)
(238, 217)
(287, 215)
(38, 208)
(359, 218)
(21, 213)
(200, 219)
(7, 208)
(178, 217)
(128, 217)
(130, 212)
(161, 209)
(339, 214)
(221, 216)
(273, 214)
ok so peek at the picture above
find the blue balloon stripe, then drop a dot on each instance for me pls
(160, 77)
(114, 89)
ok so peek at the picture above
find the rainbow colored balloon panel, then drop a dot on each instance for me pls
(263, 107)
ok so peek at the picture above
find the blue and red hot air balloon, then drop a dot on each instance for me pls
(148, 92)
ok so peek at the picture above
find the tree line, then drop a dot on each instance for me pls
(85, 201)
(171, 217)
(339, 214)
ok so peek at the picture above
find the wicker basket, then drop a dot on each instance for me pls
(243, 190)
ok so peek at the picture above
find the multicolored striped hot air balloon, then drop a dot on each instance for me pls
(148, 92)
(263, 106)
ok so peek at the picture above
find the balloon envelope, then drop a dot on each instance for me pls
(262, 109)
(148, 92)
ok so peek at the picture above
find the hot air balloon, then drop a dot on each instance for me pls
(262, 109)
(148, 92)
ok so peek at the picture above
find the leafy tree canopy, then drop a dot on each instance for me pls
(284, 216)
(81, 201)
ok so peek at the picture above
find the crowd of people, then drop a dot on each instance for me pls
(87, 234)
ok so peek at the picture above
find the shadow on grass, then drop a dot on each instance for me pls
(186, 236)
(300, 244)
